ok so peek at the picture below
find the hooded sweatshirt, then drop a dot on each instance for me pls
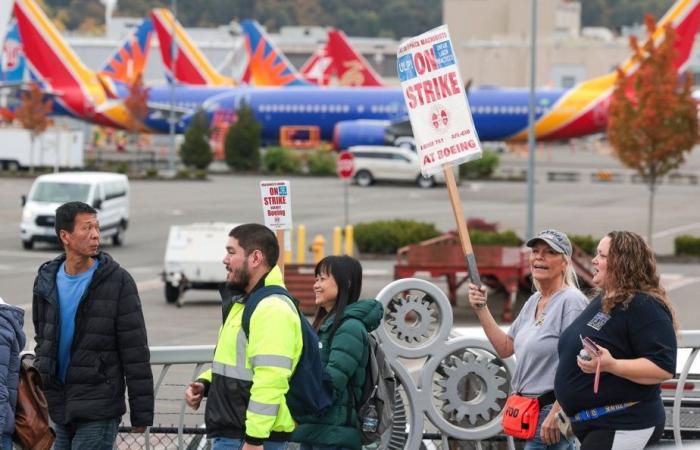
(12, 342)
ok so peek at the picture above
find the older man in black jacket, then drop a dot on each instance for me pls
(90, 338)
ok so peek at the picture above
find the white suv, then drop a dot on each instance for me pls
(375, 162)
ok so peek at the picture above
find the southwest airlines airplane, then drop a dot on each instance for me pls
(266, 65)
(346, 115)
(361, 115)
(191, 66)
(78, 91)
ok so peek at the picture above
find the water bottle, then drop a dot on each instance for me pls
(371, 420)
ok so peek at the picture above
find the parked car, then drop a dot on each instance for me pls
(107, 192)
(375, 163)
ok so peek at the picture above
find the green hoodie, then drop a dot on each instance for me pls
(345, 360)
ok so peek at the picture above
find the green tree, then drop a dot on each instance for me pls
(195, 150)
(653, 118)
(242, 142)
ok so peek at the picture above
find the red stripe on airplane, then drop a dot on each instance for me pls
(50, 65)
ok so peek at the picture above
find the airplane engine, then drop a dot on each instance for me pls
(359, 132)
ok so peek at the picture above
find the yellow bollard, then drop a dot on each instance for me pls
(288, 246)
(318, 248)
(349, 239)
(337, 240)
(301, 244)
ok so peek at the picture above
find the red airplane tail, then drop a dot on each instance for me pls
(318, 69)
(351, 68)
(190, 65)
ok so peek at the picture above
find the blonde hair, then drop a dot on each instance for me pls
(631, 269)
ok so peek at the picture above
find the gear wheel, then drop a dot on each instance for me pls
(455, 369)
(414, 331)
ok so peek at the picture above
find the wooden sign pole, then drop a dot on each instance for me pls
(280, 258)
(461, 225)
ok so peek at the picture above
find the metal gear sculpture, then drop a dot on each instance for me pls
(418, 329)
(462, 384)
(458, 369)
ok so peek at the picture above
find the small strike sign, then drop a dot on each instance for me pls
(277, 204)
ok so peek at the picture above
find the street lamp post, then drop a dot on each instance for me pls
(173, 56)
(529, 232)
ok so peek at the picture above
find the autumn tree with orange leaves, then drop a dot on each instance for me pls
(652, 122)
(33, 114)
(137, 105)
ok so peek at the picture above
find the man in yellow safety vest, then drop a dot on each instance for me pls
(246, 386)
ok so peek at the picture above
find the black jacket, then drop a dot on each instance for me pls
(109, 350)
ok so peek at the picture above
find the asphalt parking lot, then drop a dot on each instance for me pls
(585, 207)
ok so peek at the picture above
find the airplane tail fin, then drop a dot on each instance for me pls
(684, 18)
(585, 107)
(78, 90)
(12, 61)
(54, 62)
(267, 64)
(128, 62)
(318, 69)
(351, 67)
(191, 66)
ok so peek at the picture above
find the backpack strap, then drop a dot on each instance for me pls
(256, 297)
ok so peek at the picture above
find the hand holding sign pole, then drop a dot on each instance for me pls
(440, 117)
(277, 210)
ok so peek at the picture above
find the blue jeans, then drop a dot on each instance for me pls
(6, 442)
(222, 443)
(319, 447)
(537, 444)
(90, 435)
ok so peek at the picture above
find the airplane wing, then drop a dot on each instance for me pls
(162, 110)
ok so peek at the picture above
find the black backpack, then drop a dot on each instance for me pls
(310, 387)
(378, 395)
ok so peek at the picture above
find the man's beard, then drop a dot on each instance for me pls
(239, 278)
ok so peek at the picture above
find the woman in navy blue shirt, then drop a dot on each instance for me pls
(632, 323)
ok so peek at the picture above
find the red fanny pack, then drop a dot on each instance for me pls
(520, 416)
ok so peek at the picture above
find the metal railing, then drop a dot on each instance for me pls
(689, 339)
(418, 320)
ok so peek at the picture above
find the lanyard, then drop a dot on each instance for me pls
(594, 413)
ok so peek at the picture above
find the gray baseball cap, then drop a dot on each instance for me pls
(555, 239)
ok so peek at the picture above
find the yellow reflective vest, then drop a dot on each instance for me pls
(249, 378)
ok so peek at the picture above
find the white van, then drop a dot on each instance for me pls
(386, 163)
(107, 192)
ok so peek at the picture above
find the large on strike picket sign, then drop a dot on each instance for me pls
(440, 117)
(437, 104)
(277, 204)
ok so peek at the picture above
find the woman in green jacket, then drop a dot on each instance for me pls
(343, 324)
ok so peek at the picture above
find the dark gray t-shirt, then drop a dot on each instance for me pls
(535, 342)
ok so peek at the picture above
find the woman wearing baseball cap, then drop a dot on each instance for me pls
(534, 335)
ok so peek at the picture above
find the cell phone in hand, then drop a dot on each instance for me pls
(590, 346)
(592, 350)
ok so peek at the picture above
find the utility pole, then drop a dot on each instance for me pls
(173, 56)
(529, 231)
